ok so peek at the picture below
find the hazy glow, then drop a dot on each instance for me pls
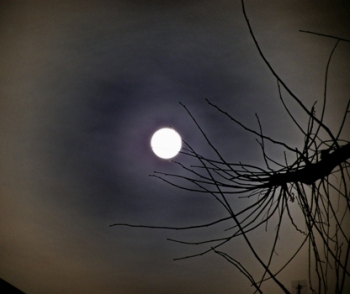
(166, 143)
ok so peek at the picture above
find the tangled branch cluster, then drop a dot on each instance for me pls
(324, 204)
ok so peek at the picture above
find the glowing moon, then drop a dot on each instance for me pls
(166, 143)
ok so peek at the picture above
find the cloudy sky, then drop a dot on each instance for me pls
(84, 84)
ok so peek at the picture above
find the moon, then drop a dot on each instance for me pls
(166, 143)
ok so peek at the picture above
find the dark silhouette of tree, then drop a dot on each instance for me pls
(307, 182)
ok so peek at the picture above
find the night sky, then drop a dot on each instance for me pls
(85, 84)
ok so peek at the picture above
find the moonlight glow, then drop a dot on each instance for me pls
(166, 143)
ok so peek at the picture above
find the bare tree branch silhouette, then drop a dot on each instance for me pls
(324, 204)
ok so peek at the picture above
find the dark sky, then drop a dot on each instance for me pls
(84, 84)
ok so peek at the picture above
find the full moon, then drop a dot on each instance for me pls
(166, 143)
